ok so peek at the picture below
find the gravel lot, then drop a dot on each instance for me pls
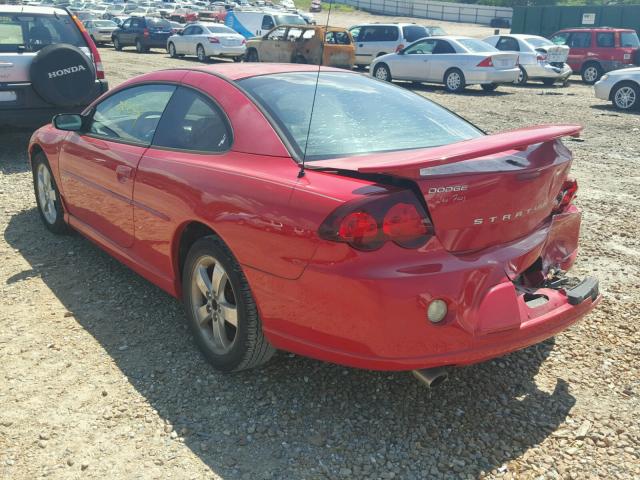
(99, 377)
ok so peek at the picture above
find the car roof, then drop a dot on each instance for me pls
(600, 29)
(32, 9)
(387, 25)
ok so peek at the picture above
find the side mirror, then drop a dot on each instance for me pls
(70, 122)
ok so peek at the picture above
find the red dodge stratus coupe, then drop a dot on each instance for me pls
(408, 240)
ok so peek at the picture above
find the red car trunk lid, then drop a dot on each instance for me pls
(481, 192)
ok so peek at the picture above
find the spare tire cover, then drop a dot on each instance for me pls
(62, 74)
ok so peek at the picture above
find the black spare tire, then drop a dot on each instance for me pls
(62, 75)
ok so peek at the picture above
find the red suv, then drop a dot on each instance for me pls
(595, 51)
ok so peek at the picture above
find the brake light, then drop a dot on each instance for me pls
(566, 195)
(487, 62)
(244, 41)
(541, 57)
(145, 32)
(214, 40)
(368, 223)
(95, 55)
(399, 47)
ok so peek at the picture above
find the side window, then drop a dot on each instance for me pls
(309, 34)
(197, 31)
(338, 38)
(131, 115)
(605, 40)
(385, 34)
(442, 46)
(187, 31)
(127, 23)
(294, 34)
(193, 122)
(267, 22)
(421, 48)
(508, 44)
(136, 23)
(277, 34)
(355, 31)
(560, 38)
(580, 40)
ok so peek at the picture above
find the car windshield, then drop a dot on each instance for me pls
(104, 23)
(30, 33)
(353, 114)
(476, 46)
(289, 20)
(537, 42)
(629, 39)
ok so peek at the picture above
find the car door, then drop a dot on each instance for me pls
(580, 44)
(189, 39)
(124, 30)
(98, 164)
(412, 63)
(269, 46)
(181, 41)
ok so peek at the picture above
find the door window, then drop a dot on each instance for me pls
(355, 32)
(294, 34)
(267, 22)
(560, 38)
(443, 46)
(278, 34)
(420, 48)
(508, 44)
(337, 38)
(131, 115)
(193, 122)
(187, 31)
(127, 24)
(580, 40)
(605, 40)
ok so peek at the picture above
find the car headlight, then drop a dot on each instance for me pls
(603, 78)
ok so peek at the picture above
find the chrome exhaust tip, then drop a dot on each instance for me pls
(431, 377)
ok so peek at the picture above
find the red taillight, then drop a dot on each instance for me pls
(214, 40)
(95, 55)
(368, 223)
(541, 57)
(244, 41)
(145, 32)
(399, 47)
(487, 62)
(566, 195)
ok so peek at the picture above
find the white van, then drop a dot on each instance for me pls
(257, 23)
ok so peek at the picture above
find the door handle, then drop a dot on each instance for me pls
(123, 173)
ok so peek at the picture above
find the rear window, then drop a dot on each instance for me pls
(629, 39)
(476, 46)
(414, 32)
(34, 32)
(353, 114)
(378, 34)
(219, 29)
(537, 42)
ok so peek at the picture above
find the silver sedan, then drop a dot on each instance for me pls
(621, 87)
(205, 40)
(453, 61)
(100, 31)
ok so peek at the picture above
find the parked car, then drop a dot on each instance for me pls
(376, 39)
(538, 57)
(316, 6)
(205, 40)
(256, 23)
(621, 88)
(100, 31)
(143, 33)
(115, 10)
(391, 253)
(304, 44)
(595, 51)
(144, 12)
(176, 27)
(500, 22)
(454, 61)
(49, 64)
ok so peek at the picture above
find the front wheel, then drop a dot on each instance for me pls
(252, 56)
(47, 196)
(489, 87)
(172, 50)
(222, 313)
(625, 96)
(382, 72)
(200, 53)
(454, 81)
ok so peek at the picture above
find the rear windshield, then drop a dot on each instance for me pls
(537, 42)
(219, 29)
(353, 114)
(476, 46)
(289, 20)
(30, 33)
(414, 32)
(629, 39)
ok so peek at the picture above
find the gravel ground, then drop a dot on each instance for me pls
(99, 377)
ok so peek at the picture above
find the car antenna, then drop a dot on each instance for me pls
(315, 91)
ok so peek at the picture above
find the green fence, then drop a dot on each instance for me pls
(547, 20)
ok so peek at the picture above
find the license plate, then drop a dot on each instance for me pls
(232, 43)
(555, 58)
(9, 96)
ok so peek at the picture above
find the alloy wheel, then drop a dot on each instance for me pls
(46, 194)
(214, 304)
(591, 74)
(454, 81)
(200, 52)
(625, 97)
(381, 73)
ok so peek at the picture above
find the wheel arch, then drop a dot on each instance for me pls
(620, 83)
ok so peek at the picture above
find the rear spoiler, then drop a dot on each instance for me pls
(456, 152)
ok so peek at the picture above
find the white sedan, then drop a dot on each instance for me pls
(205, 40)
(621, 87)
(453, 61)
(539, 58)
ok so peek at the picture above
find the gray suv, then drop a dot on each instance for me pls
(48, 65)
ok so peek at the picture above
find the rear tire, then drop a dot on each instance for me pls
(626, 96)
(251, 56)
(172, 50)
(522, 77)
(201, 54)
(140, 48)
(116, 44)
(489, 87)
(454, 81)
(591, 73)
(48, 196)
(381, 72)
(216, 295)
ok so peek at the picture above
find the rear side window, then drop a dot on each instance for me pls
(414, 32)
(378, 34)
(476, 46)
(508, 44)
(629, 39)
(193, 122)
(443, 46)
(605, 40)
(33, 32)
